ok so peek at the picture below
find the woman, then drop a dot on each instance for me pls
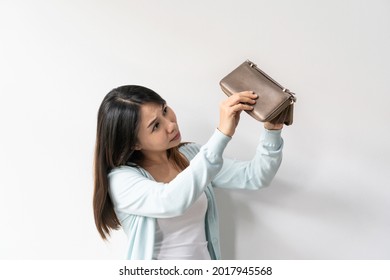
(159, 190)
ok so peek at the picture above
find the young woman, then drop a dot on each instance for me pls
(159, 190)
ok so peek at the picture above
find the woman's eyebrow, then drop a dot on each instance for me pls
(155, 119)
(152, 122)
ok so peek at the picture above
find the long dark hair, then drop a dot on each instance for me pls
(116, 137)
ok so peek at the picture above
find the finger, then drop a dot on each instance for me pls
(242, 98)
(248, 94)
(240, 107)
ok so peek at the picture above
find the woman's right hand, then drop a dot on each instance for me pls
(231, 108)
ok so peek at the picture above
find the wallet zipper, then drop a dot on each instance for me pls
(286, 90)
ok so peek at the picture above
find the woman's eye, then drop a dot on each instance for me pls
(165, 110)
(156, 126)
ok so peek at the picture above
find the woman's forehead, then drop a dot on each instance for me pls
(150, 111)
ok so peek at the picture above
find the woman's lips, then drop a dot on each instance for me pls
(177, 136)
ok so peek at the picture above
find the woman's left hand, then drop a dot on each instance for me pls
(271, 126)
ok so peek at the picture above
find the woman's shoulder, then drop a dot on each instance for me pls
(126, 170)
(189, 150)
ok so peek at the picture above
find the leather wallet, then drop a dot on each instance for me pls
(275, 103)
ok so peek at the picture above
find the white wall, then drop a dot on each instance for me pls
(330, 199)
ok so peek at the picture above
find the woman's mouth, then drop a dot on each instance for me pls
(177, 137)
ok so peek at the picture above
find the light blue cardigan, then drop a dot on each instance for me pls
(138, 199)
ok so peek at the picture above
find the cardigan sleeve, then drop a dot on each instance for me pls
(259, 171)
(132, 192)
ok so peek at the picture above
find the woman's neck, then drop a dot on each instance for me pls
(155, 159)
(161, 167)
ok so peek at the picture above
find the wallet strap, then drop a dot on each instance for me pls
(286, 90)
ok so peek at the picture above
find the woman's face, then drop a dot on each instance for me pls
(158, 130)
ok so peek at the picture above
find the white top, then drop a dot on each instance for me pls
(183, 237)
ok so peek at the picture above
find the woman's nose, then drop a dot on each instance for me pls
(171, 127)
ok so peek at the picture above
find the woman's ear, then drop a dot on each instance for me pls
(137, 147)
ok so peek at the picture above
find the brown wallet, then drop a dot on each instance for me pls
(275, 103)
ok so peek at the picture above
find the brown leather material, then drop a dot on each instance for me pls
(275, 103)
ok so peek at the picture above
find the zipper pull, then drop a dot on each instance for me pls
(293, 97)
(251, 64)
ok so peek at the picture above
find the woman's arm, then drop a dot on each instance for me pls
(134, 193)
(256, 173)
